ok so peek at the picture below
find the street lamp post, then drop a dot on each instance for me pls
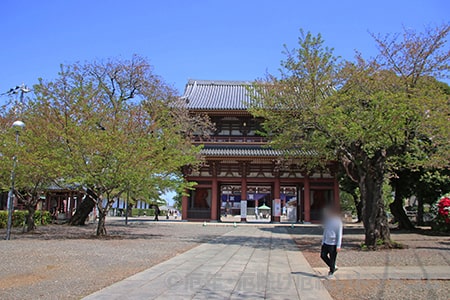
(17, 125)
(127, 202)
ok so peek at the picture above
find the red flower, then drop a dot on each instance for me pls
(444, 208)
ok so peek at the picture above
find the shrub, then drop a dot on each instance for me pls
(19, 216)
(37, 218)
(138, 212)
(46, 217)
(42, 217)
(3, 218)
(441, 210)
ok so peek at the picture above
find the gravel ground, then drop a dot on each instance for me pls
(421, 250)
(388, 289)
(62, 262)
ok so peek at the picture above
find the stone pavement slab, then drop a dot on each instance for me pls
(247, 263)
(389, 272)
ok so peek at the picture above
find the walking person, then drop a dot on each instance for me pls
(157, 212)
(332, 238)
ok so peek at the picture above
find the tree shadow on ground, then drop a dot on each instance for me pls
(309, 230)
(266, 243)
(445, 246)
(289, 240)
(314, 244)
(258, 242)
(421, 231)
(115, 231)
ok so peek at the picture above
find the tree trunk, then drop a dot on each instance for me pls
(85, 208)
(374, 216)
(359, 206)
(103, 212)
(30, 226)
(420, 211)
(101, 228)
(399, 213)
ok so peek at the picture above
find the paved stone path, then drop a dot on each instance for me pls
(247, 263)
(389, 272)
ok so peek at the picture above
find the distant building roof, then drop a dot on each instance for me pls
(248, 151)
(216, 95)
(63, 187)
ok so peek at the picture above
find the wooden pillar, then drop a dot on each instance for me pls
(299, 207)
(276, 196)
(72, 203)
(276, 192)
(337, 201)
(307, 202)
(69, 204)
(214, 199)
(184, 206)
(76, 204)
(244, 195)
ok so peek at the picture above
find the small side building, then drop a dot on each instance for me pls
(62, 202)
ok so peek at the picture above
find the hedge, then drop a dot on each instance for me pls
(137, 212)
(19, 216)
(42, 217)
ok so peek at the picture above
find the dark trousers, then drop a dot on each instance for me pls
(328, 254)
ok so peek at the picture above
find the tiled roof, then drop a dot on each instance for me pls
(64, 186)
(216, 95)
(242, 151)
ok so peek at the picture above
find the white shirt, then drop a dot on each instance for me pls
(332, 232)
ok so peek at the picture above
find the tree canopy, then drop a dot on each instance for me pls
(111, 127)
(366, 113)
(38, 157)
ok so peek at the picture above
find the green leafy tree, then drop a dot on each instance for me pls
(121, 127)
(407, 180)
(350, 188)
(178, 201)
(37, 157)
(364, 114)
(431, 185)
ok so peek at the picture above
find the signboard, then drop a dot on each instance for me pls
(231, 198)
(276, 207)
(243, 209)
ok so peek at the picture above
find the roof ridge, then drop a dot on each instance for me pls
(218, 82)
(217, 94)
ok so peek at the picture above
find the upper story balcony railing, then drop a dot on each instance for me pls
(218, 139)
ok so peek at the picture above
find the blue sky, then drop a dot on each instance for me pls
(201, 39)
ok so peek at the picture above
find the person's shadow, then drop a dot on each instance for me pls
(313, 275)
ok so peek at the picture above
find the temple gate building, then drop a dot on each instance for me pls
(241, 176)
